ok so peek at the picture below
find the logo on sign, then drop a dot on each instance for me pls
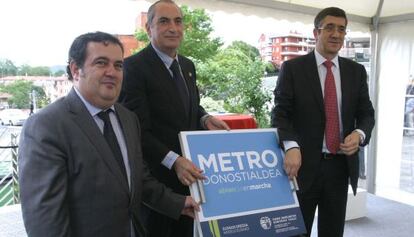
(265, 223)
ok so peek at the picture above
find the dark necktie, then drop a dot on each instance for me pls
(331, 111)
(111, 139)
(180, 83)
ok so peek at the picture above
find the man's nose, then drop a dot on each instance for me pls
(111, 70)
(173, 27)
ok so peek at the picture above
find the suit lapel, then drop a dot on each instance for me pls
(130, 142)
(189, 78)
(313, 75)
(87, 124)
(345, 86)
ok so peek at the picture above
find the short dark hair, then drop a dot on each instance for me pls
(151, 10)
(77, 51)
(330, 11)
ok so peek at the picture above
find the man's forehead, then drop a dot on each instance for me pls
(167, 10)
(334, 20)
(103, 50)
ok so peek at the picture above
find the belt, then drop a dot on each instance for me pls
(330, 156)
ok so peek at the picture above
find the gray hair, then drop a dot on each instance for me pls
(151, 10)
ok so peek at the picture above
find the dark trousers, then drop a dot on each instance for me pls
(158, 225)
(329, 193)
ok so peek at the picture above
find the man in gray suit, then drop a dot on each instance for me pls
(80, 159)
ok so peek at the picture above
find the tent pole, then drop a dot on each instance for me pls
(374, 89)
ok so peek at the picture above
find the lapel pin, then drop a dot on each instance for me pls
(190, 74)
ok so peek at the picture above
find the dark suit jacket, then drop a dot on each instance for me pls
(299, 112)
(70, 185)
(148, 90)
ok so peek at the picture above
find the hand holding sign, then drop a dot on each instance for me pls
(292, 163)
(186, 171)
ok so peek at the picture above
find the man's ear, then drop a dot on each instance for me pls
(148, 29)
(315, 33)
(75, 70)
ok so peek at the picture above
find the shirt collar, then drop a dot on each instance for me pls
(320, 59)
(166, 59)
(91, 108)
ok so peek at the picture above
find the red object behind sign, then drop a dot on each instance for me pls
(238, 121)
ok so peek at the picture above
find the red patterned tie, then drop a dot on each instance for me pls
(331, 111)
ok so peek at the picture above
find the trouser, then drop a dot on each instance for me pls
(158, 225)
(328, 193)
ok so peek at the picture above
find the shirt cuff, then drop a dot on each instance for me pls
(203, 120)
(290, 144)
(361, 136)
(169, 159)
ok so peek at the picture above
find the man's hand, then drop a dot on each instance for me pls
(351, 143)
(189, 207)
(213, 123)
(186, 171)
(293, 161)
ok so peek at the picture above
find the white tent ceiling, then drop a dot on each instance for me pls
(366, 8)
(362, 11)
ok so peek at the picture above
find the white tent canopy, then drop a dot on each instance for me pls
(362, 11)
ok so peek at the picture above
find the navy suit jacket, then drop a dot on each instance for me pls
(149, 91)
(299, 113)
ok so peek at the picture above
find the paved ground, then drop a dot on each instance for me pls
(383, 219)
(11, 222)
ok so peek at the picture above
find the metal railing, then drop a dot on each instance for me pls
(9, 185)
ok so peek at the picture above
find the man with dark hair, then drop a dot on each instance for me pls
(81, 171)
(160, 87)
(323, 114)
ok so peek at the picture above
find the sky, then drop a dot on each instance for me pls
(39, 32)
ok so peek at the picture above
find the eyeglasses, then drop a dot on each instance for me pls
(330, 28)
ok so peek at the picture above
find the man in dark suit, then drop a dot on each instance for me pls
(323, 113)
(160, 87)
(81, 171)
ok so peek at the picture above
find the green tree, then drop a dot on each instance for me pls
(270, 68)
(40, 71)
(28, 70)
(20, 91)
(197, 42)
(59, 73)
(24, 70)
(235, 75)
(250, 51)
(7, 68)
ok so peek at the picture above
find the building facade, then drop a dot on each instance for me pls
(54, 87)
(277, 49)
(130, 43)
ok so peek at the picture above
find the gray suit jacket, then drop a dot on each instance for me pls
(70, 185)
